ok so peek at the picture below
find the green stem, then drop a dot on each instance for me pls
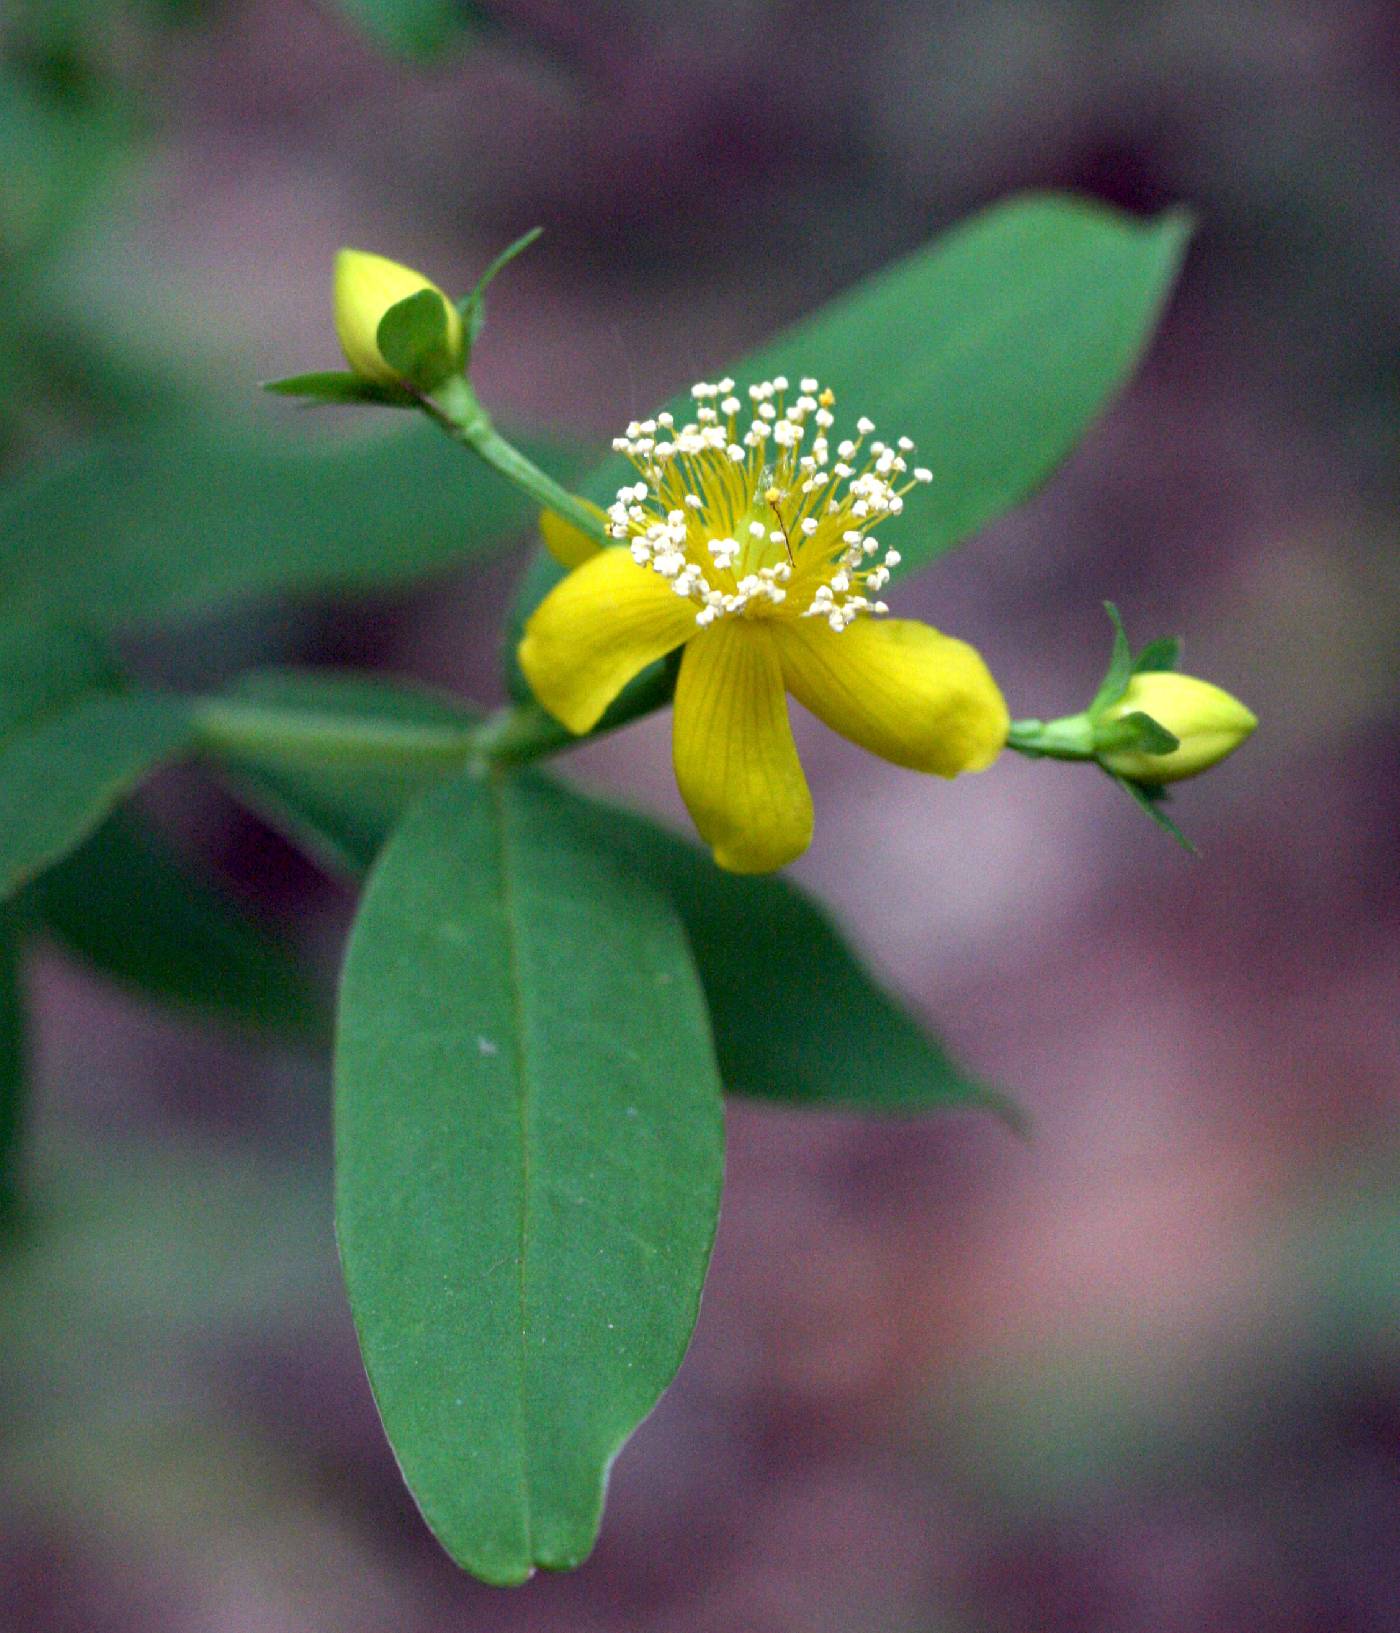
(1070, 738)
(304, 737)
(456, 409)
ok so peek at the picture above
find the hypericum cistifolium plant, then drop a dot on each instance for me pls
(544, 995)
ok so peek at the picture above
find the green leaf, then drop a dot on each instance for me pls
(338, 386)
(42, 670)
(343, 817)
(419, 30)
(529, 1155)
(12, 1052)
(796, 1015)
(188, 519)
(412, 339)
(58, 780)
(473, 306)
(1120, 665)
(994, 348)
(1158, 656)
(127, 904)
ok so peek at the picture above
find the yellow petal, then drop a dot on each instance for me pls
(605, 623)
(898, 688)
(736, 762)
(366, 286)
(569, 545)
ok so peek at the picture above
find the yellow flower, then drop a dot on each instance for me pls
(1208, 722)
(366, 286)
(759, 558)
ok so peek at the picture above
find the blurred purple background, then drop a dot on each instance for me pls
(1138, 1375)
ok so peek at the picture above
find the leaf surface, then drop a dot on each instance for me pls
(60, 777)
(528, 1157)
(796, 1014)
(181, 521)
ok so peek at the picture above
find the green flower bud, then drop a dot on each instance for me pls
(1208, 722)
(366, 286)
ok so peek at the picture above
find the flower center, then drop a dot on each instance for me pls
(747, 522)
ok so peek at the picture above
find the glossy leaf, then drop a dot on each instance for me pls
(59, 779)
(994, 348)
(796, 1015)
(187, 519)
(528, 1156)
(128, 905)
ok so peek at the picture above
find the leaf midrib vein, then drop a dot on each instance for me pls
(517, 998)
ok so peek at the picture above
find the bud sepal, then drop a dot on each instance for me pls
(1146, 726)
(340, 386)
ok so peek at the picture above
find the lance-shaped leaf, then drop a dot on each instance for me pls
(528, 1163)
(994, 348)
(186, 519)
(128, 905)
(62, 775)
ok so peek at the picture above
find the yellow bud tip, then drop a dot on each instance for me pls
(569, 545)
(1208, 722)
(773, 495)
(366, 286)
(827, 398)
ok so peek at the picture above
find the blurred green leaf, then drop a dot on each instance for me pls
(12, 1052)
(994, 348)
(420, 30)
(127, 904)
(132, 1265)
(412, 339)
(42, 670)
(187, 519)
(342, 819)
(60, 778)
(529, 1155)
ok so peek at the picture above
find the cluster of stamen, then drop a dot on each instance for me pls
(745, 518)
